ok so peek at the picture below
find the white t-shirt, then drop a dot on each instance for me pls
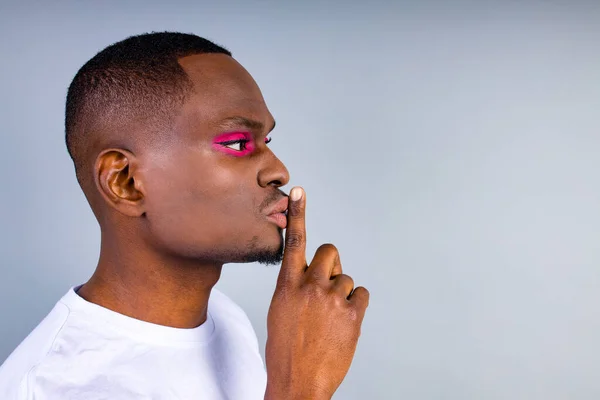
(82, 351)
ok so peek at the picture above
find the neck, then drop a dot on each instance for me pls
(150, 287)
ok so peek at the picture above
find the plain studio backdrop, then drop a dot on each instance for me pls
(450, 150)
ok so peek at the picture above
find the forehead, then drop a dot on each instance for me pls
(222, 89)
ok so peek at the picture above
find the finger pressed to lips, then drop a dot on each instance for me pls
(294, 257)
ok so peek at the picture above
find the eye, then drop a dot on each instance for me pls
(268, 140)
(237, 145)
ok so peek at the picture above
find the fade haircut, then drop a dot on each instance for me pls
(136, 79)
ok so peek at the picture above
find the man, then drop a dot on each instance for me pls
(169, 138)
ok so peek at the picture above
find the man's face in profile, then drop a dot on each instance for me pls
(210, 189)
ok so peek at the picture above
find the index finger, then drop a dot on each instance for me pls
(294, 254)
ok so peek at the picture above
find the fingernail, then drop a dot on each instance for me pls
(296, 194)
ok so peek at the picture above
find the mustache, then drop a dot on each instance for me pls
(272, 198)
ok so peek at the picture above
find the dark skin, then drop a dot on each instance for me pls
(173, 210)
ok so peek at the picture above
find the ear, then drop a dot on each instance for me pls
(117, 178)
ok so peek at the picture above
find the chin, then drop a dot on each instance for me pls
(263, 252)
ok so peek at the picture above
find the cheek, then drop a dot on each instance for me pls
(208, 193)
(201, 201)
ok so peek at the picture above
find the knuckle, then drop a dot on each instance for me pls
(328, 248)
(349, 279)
(339, 301)
(363, 296)
(344, 280)
(365, 293)
(294, 240)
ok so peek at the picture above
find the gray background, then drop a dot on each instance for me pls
(449, 150)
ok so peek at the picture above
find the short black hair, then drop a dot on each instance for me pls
(138, 78)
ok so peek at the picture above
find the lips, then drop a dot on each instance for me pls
(280, 207)
(278, 213)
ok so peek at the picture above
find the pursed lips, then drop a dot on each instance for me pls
(280, 207)
(277, 213)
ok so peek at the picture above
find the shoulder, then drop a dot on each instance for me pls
(31, 352)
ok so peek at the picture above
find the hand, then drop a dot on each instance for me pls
(314, 320)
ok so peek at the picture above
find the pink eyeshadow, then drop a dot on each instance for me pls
(232, 136)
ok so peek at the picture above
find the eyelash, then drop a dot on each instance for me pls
(242, 142)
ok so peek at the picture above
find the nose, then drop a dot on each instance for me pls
(273, 172)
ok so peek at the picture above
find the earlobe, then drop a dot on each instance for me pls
(118, 181)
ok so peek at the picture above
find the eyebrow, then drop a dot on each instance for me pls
(246, 122)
